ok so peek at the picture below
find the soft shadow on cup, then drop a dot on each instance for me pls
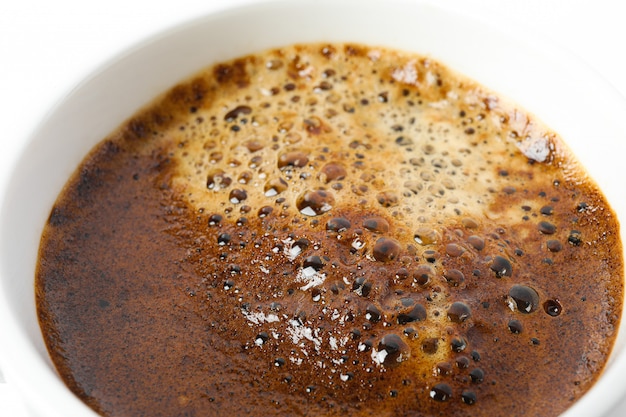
(541, 78)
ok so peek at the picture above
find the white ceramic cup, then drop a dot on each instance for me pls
(546, 81)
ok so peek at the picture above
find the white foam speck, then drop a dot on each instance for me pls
(407, 75)
(333, 343)
(260, 317)
(298, 332)
(358, 244)
(430, 78)
(379, 357)
(537, 149)
(310, 277)
(441, 104)
(374, 55)
(290, 250)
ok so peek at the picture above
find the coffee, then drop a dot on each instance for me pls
(330, 229)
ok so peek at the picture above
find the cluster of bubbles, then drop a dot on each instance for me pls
(346, 188)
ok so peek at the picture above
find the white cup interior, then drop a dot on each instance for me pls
(556, 87)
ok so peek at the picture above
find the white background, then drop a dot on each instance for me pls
(47, 46)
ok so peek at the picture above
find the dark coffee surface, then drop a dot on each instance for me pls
(330, 230)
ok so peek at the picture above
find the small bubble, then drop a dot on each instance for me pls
(546, 228)
(407, 301)
(443, 369)
(244, 177)
(554, 245)
(279, 362)
(387, 199)
(396, 350)
(417, 313)
(410, 332)
(275, 186)
(523, 299)
(274, 64)
(361, 286)
(355, 334)
(386, 249)
(501, 266)
(454, 277)
(459, 312)
(477, 375)
(293, 159)
(215, 219)
(402, 274)
(237, 195)
(469, 223)
(261, 338)
(468, 397)
(215, 157)
(265, 211)
(347, 376)
(253, 145)
(228, 284)
(314, 125)
(338, 224)
(430, 256)
(553, 307)
(332, 172)
(372, 313)
(314, 262)
(441, 392)
(454, 250)
(430, 345)
(293, 137)
(376, 224)
(575, 238)
(426, 236)
(422, 274)
(234, 113)
(458, 344)
(515, 326)
(477, 242)
(462, 362)
(223, 239)
(509, 190)
(217, 180)
(413, 186)
(315, 203)
(301, 244)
